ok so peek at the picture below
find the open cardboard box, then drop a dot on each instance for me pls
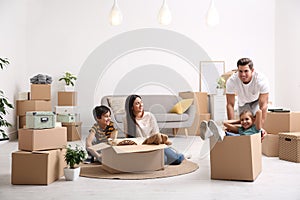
(237, 158)
(131, 158)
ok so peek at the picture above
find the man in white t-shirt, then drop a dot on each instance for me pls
(251, 88)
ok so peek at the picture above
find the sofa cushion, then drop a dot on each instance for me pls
(117, 104)
(181, 106)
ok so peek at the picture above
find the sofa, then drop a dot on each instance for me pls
(169, 110)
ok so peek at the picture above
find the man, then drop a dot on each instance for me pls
(251, 88)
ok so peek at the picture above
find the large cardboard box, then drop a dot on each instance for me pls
(237, 158)
(277, 122)
(270, 146)
(200, 100)
(289, 146)
(67, 98)
(132, 158)
(73, 130)
(40, 92)
(38, 167)
(42, 139)
(24, 106)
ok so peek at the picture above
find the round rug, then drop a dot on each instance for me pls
(97, 171)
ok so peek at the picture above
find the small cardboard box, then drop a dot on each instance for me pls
(40, 120)
(270, 146)
(237, 158)
(67, 98)
(65, 118)
(24, 106)
(132, 158)
(289, 146)
(38, 167)
(277, 122)
(42, 139)
(73, 130)
(40, 92)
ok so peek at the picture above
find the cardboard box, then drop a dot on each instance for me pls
(270, 146)
(40, 120)
(237, 158)
(40, 92)
(200, 100)
(37, 168)
(22, 121)
(289, 146)
(132, 158)
(42, 139)
(24, 106)
(277, 122)
(73, 130)
(67, 98)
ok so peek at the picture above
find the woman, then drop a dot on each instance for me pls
(139, 123)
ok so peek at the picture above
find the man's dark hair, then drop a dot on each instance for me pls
(245, 61)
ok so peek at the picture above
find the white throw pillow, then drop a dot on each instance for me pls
(117, 104)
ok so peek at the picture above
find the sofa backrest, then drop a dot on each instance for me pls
(152, 103)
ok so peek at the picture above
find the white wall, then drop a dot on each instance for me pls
(287, 54)
(54, 36)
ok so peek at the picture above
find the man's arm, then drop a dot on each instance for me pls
(263, 105)
(230, 98)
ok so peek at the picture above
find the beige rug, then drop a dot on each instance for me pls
(97, 171)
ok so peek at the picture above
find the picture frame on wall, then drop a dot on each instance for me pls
(210, 71)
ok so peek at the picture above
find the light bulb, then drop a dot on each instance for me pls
(164, 15)
(212, 18)
(115, 15)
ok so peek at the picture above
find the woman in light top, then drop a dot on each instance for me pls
(140, 123)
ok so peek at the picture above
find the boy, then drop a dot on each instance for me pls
(99, 132)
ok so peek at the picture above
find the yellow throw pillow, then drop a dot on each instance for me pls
(181, 106)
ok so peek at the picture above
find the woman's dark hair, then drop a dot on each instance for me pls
(98, 111)
(130, 117)
(245, 61)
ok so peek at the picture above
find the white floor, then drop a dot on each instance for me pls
(278, 180)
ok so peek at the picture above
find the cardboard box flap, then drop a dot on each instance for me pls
(99, 146)
(137, 148)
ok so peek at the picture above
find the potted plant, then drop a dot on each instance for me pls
(73, 157)
(221, 85)
(69, 80)
(4, 105)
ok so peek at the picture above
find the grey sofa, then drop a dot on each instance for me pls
(159, 105)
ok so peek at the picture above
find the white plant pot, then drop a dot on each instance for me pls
(71, 174)
(220, 91)
(69, 88)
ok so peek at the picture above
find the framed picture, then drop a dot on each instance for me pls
(210, 71)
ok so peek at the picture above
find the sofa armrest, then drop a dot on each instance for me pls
(191, 112)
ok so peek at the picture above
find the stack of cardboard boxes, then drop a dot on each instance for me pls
(282, 139)
(67, 114)
(201, 102)
(40, 159)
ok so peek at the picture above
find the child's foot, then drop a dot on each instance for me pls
(216, 130)
(204, 131)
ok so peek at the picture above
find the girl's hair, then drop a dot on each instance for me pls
(130, 117)
(98, 111)
(247, 112)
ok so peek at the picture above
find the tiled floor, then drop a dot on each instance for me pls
(278, 180)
